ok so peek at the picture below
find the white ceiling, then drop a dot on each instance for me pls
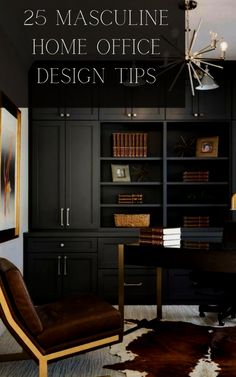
(218, 16)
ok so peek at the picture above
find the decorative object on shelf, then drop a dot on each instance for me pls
(132, 220)
(130, 198)
(129, 144)
(120, 173)
(196, 176)
(196, 221)
(185, 147)
(139, 174)
(207, 146)
(197, 65)
(10, 139)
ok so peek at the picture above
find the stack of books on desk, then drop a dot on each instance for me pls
(168, 237)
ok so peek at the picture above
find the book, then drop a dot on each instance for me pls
(164, 237)
(176, 243)
(114, 137)
(160, 230)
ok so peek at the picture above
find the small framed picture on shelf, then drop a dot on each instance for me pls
(207, 146)
(120, 173)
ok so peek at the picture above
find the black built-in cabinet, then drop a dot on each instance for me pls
(64, 177)
(72, 241)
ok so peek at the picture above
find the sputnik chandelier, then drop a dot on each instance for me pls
(197, 64)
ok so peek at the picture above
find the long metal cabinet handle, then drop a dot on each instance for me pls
(68, 217)
(62, 216)
(133, 284)
(59, 265)
(65, 266)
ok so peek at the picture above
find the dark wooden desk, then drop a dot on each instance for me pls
(216, 259)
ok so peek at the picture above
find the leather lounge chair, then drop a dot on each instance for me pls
(52, 331)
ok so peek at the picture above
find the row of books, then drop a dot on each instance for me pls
(167, 237)
(195, 176)
(196, 245)
(127, 144)
(196, 221)
(130, 198)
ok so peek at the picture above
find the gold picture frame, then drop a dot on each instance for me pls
(207, 146)
(120, 173)
(10, 144)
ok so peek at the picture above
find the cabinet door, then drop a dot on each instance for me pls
(79, 273)
(189, 111)
(47, 175)
(215, 104)
(43, 276)
(82, 167)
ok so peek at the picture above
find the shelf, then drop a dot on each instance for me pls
(131, 205)
(131, 183)
(197, 183)
(197, 158)
(197, 205)
(117, 159)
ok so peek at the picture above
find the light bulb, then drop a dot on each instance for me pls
(223, 46)
(213, 39)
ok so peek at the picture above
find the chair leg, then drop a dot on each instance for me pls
(43, 368)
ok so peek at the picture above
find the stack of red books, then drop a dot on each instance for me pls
(127, 144)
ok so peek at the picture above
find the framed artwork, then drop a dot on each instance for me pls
(120, 173)
(207, 146)
(10, 141)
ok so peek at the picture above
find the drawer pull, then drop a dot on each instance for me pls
(62, 216)
(65, 266)
(133, 284)
(62, 244)
(59, 266)
(68, 217)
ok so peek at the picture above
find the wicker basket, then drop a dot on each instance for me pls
(132, 221)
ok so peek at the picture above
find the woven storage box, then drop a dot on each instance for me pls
(132, 221)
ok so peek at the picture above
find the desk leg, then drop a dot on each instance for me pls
(121, 292)
(159, 292)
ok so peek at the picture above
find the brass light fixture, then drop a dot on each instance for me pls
(198, 66)
(197, 63)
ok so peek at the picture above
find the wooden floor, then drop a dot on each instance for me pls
(91, 364)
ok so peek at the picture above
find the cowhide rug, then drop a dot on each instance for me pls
(179, 349)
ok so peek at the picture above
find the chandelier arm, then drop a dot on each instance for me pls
(208, 63)
(191, 79)
(172, 45)
(203, 70)
(195, 73)
(167, 69)
(176, 77)
(195, 35)
(169, 64)
(204, 50)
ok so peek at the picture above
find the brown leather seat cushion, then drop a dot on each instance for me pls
(76, 318)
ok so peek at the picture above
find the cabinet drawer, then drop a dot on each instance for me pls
(107, 250)
(140, 287)
(62, 244)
